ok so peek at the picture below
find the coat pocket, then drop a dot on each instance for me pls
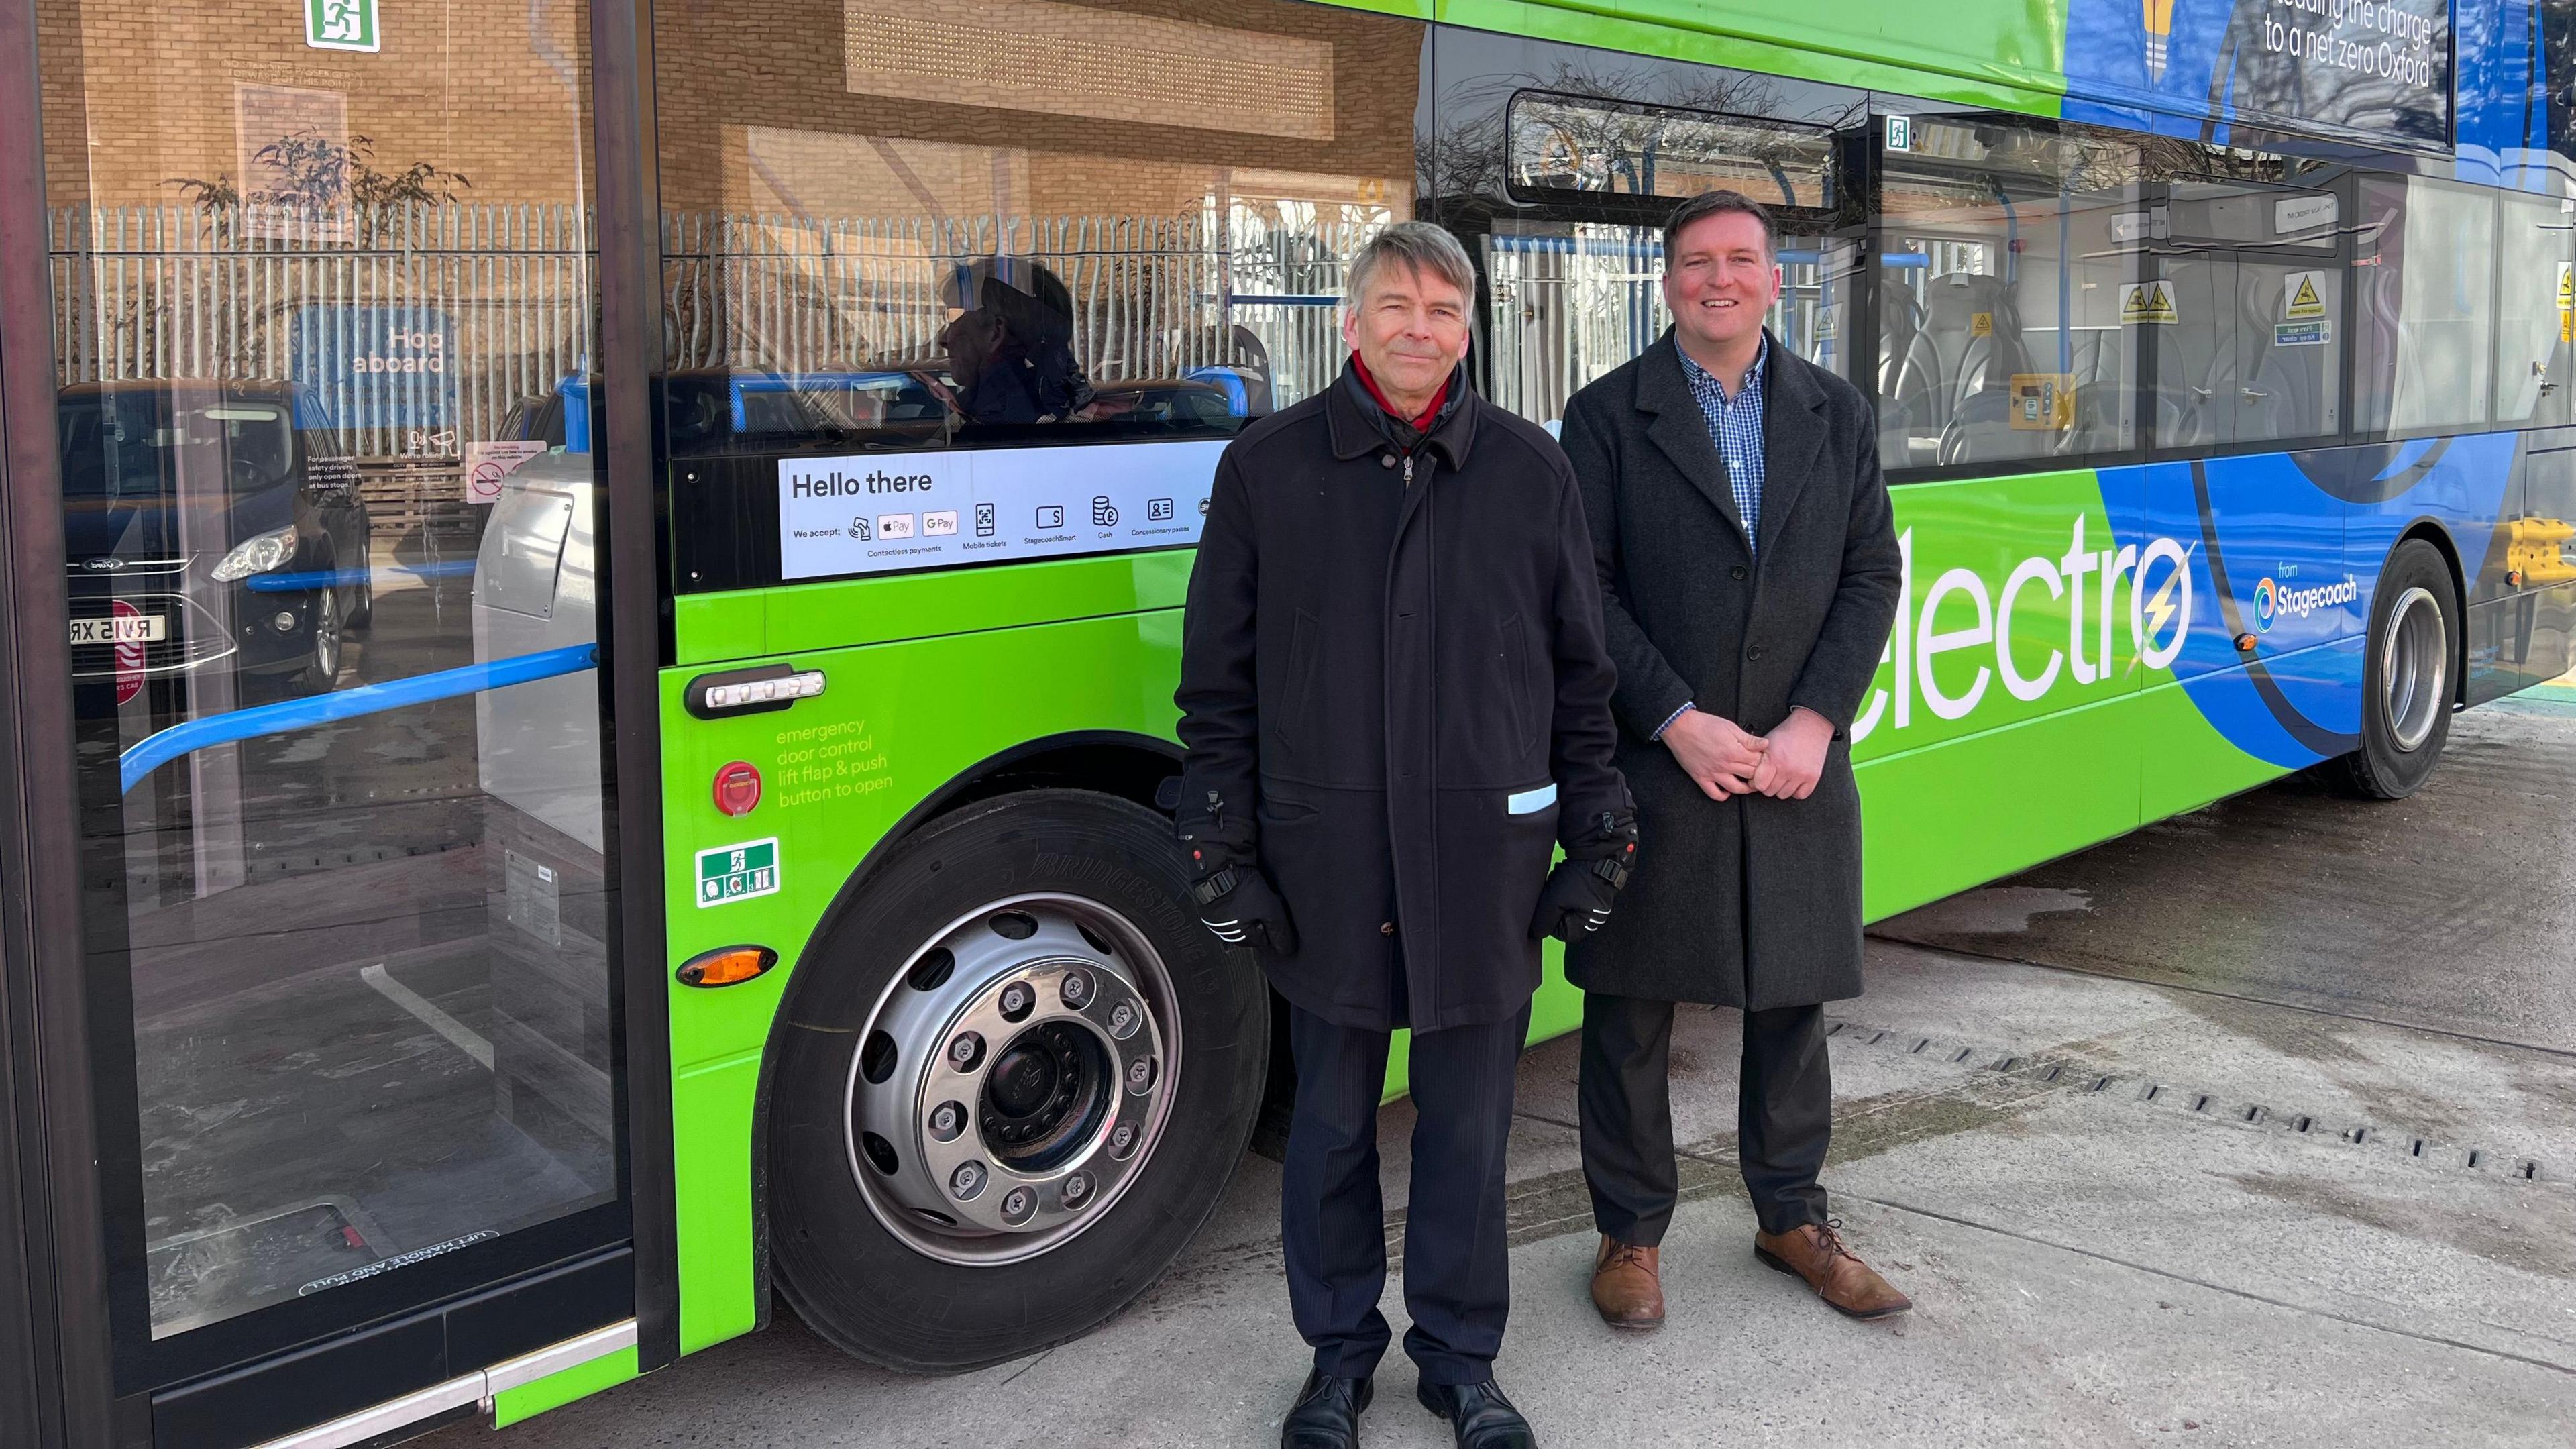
(1295, 732)
(1518, 697)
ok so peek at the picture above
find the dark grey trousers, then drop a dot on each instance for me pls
(1332, 1222)
(1784, 1115)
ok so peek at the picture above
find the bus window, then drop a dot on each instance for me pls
(2425, 276)
(2535, 312)
(2007, 254)
(964, 243)
(2247, 324)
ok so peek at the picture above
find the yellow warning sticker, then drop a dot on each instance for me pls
(2151, 303)
(2566, 286)
(2566, 325)
(2303, 297)
(1981, 324)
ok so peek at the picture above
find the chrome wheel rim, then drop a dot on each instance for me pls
(326, 637)
(2415, 667)
(1013, 1080)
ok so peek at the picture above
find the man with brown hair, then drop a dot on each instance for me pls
(1749, 572)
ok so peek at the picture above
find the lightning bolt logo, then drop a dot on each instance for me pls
(2160, 609)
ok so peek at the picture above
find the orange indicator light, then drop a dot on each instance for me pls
(726, 965)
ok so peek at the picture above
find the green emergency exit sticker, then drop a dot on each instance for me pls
(341, 25)
(738, 872)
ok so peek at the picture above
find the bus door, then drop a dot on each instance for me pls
(346, 832)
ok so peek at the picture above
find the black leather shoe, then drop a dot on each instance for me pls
(1478, 1415)
(1326, 1414)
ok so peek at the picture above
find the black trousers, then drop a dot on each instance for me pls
(1332, 1223)
(1784, 1115)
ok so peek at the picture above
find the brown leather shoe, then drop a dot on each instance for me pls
(1628, 1285)
(1816, 1253)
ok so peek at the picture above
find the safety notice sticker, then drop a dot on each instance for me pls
(2303, 312)
(738, 872)
(2148, 302)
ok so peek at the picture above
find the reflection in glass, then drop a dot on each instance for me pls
(1576, 143)
(2424, 274)
(317, 315)
(2007, 257)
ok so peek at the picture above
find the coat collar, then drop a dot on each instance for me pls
(1790, 437)
(1355, 433)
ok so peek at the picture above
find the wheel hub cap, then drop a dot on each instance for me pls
(1013, 1080)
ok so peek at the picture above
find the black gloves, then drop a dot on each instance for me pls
(1234, 898)
(1238, 904)
(1581, 889)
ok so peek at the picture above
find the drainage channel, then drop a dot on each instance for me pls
(2075, 1076)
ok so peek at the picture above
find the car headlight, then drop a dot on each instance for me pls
(260, 555)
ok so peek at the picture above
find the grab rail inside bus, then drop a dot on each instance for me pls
(160, 748)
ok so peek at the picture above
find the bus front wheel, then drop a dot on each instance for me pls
(1014, 1080)
(2407, 683)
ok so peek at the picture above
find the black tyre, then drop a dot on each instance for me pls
(2408, 677)
(1011, 1085)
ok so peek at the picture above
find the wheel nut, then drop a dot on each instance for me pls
(1077, 1190)
(1019, 1204)
(1122, 1140)
(947, 1120)
(1122, 1020)
(1017, 999)
(966, 1051)
(1077, 989)
(966, 1181)
(1140, 1074)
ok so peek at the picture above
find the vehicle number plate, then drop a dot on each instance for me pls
(132, 629)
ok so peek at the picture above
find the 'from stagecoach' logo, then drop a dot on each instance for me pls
(2273, 602)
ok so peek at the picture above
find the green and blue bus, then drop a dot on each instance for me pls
(610, 768)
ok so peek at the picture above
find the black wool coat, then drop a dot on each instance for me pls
(1372, 667)
(1750, 902)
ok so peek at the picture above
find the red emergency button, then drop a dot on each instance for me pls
(737, 788)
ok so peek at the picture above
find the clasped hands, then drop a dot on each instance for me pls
(1726, 761)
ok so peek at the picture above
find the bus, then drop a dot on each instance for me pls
(710, 494)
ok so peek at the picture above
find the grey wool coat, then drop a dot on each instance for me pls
(1750, 902)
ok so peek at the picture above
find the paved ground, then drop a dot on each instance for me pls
(2256, 1128)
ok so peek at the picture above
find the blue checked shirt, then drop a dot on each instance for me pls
(1735, 425)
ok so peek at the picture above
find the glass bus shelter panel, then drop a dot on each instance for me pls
(313, 282)
(2008, 324)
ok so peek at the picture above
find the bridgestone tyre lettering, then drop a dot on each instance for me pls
(2415, 595)
(864, 1287)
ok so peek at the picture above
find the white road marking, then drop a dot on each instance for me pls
(420, 1006)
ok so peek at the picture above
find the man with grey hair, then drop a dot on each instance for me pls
(1396, 702)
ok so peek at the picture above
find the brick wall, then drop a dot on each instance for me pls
(763, 102)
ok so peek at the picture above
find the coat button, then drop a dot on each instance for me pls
(1753, 653)
(1736, 572)
(1386, 460)
(1386, 928)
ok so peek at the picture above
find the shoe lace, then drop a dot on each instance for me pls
(1829, 1239)
(1624, 1255)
